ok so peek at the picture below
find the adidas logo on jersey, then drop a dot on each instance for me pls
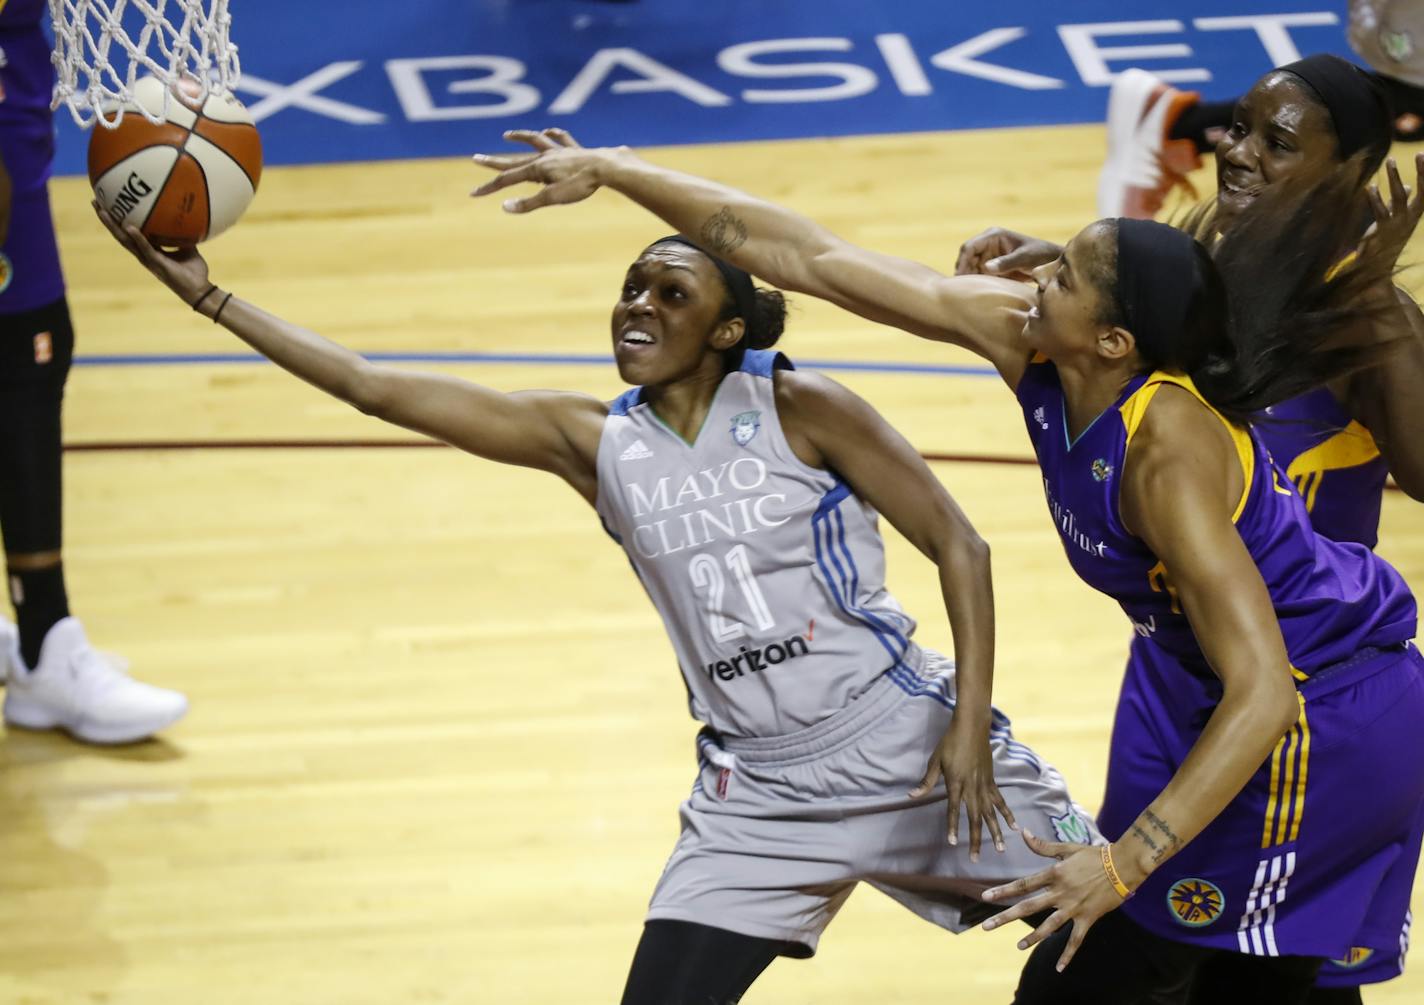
(1039, 417)
(636, 451)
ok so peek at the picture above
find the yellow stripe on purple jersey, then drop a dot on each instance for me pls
(1332, 599)
(1332, 461)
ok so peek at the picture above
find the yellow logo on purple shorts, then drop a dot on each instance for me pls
(1356, 957)
(1195, 902)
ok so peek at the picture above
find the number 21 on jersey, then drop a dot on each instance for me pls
(707, 577)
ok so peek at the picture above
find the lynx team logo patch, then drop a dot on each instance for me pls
(1397, 45)
(1071, 827)
(745, 426)
(1196, 903)
(1102, 470)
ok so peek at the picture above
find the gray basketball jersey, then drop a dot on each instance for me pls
(768, 573)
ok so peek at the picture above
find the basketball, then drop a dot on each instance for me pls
(184, 180)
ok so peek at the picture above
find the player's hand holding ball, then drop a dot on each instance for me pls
(184, 271)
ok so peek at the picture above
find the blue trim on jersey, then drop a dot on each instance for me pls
(938, 690)
(854, 572)
(854, 585)
(839, 582)
(625, 401)
(763, 362)
(831, 499)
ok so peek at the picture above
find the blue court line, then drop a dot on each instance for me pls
(537, 359)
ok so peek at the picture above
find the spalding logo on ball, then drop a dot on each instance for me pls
(184, 180)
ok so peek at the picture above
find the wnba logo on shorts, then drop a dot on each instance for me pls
(1196, 903)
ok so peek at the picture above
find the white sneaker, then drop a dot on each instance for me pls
(1143, 162)
(78, 690)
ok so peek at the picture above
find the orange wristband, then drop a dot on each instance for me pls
(1113, 877)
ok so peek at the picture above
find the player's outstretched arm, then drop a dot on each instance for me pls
(983, 314)
(830, 427)
(551, 430)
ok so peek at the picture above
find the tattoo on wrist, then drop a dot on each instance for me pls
(724, 232)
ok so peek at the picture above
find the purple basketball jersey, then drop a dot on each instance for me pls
(1332, 599)
(30, 275)
(1333, 463)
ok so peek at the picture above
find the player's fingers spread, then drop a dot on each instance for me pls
(535, 139)
(1004, 810)
(503, 162)
(1024, 908)
(550, 195)
(1080, 932)
(1377, 205)
(1026, 884)
(1048, 849)
(1051, 924)
(991, 820)
(976, 825)
(561, 136)
(1396, 183)
(927, 780)
(514, 176)
(952, 791)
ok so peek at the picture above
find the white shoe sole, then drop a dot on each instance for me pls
(25, 715)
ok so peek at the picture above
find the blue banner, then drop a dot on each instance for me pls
(332, 80)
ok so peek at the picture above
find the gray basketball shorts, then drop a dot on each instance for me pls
(778, 831)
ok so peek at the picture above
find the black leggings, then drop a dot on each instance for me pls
(1122, 963)
(681, 963)
(35, 352)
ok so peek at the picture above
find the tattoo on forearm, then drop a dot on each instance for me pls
(1146, 839)
(1158, 824)
(725, 232)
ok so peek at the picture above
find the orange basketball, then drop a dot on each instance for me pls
(184, 180)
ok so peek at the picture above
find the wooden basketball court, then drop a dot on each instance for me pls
(438, 739)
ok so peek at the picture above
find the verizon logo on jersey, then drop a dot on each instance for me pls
(757, 660)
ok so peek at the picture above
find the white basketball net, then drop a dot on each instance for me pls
(98, 57)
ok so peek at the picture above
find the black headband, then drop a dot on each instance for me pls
(1156, 270)
(1357, 105)
(739, 283)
